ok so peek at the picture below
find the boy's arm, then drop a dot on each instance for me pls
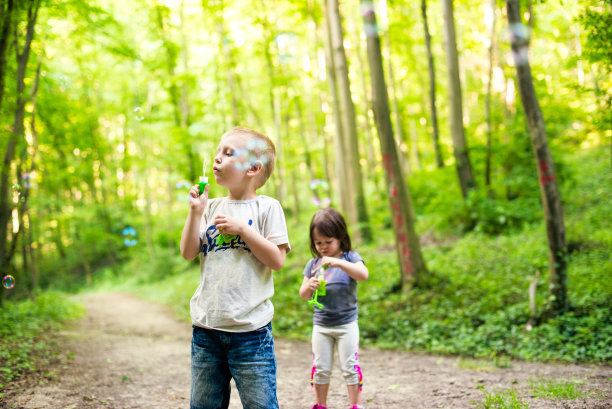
(268, 253)
(190, 237)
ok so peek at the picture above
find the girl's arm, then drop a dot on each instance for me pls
(309, 285)
(357, 270)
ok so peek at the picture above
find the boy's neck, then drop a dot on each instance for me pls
(241, 194)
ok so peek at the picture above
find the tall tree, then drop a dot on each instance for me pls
(460, 147)
(435, 135)
(551, 198)
(357, 211)
(22, 53)
(490, 21)
(6, 19)
(341, 171)
(412, 264)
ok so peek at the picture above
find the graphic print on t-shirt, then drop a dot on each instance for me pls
(211, 244)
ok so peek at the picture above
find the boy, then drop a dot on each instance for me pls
(242, 238)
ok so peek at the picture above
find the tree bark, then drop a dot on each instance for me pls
(18, 130)
(6, 8)
(341, 176)
(435, 136)
(411, 262)
(358, 214)
(551, 198)
(462, 159)
(488, 100)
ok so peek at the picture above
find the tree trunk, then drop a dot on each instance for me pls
(341, 176)
(404, 157)
(412, 265)
(6, 17)
(435, 136)
(358, 214)
(551, 198)
(488, 98)
(18, 130)
(462, 159)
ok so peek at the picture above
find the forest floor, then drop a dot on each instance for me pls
(130, 353)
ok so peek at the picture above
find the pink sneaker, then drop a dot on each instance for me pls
(317, 406)
(356, 407)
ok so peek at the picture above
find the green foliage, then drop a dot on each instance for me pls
(501, 400)
(26, 330)
(557, 389)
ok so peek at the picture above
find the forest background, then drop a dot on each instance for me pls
(108, 110)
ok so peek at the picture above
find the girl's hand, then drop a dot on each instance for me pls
(330, 262)
(198, 202)
(313, 284)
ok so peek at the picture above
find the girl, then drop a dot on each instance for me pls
(335, 313)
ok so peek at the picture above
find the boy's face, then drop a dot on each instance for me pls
(231, 161)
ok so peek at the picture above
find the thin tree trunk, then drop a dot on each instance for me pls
(462, 159)
(358, 214)
(551, 198)
(404, 157)
(435, 136)
(488, 99)
(339, 161)
(411, 262)
(6, 8)
(18, 131)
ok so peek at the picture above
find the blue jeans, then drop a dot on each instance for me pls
(248, 357)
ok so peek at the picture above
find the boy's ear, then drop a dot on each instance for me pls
(255, 168)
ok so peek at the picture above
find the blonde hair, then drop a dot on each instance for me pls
(260, 148)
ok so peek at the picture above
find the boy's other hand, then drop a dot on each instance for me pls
(230, 225)
(197, 201)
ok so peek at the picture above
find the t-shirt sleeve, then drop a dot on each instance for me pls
(275, 226)
(354, 257)
(308, 269)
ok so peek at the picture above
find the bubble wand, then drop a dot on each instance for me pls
(203, 179)
(319, 291)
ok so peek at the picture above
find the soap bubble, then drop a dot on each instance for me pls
(320, 188)
(8, 281)
(16, 189)
(184, 187)
(63, 80)
(255, 151)
(138, 114)
(245, 159)
(129, 237)
(27, 179)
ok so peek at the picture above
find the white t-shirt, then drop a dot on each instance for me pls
(235, 287)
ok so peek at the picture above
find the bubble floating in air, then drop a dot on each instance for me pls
(138, 114)
(129, 237)
(8, 281)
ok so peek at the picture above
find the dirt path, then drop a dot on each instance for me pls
(129, 353)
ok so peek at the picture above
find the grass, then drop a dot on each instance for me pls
(500, 400)
(27, 332)
(557, 389)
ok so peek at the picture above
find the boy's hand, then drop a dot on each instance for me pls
(230, 225)
(198, 202)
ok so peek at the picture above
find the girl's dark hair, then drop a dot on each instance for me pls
(329, 223)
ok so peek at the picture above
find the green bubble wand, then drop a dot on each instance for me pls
(319, 291)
